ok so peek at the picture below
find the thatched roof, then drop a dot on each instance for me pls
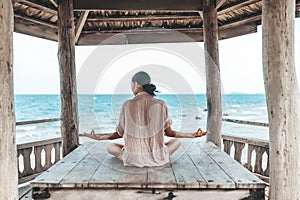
(93, 25)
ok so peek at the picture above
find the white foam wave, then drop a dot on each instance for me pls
(26, 128)
(235, 105)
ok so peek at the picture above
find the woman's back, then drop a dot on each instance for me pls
(142, 123)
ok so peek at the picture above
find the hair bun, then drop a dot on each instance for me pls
(150, 89)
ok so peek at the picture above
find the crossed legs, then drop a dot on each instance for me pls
(116, 149)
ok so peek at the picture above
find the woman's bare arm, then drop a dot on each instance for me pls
(172, 133)
(93, 135)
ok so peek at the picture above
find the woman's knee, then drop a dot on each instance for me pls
(173, 145)
(176, 142)
(111, 149)
(115, 150)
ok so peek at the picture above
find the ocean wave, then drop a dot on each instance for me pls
(249, 113)
(235, 105)
(26, 128)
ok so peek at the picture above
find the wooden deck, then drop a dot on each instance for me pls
(196, 168)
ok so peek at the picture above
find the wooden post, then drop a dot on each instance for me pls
(213, 80)
(282, 96)
(8, 151)
(68, 91)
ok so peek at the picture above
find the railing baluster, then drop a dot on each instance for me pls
(48, 149)
(238, 148)
(27, 161)
(227, 146)
(57, 152)
(248, 165)
(38, 161)
(258, 160)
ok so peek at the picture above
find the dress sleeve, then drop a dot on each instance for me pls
(121, 123)
(167, 120)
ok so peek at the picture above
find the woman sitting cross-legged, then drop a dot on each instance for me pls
(143, 122)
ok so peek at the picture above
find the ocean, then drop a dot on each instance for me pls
(100, 112)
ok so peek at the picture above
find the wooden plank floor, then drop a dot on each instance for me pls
(195, 165)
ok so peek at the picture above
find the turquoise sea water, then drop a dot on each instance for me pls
(100, 112)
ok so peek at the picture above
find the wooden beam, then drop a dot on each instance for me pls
(220, 3)
(37, 6)
(144, 18)
(196, 34)
(213, 79)
(39, 31)
(163, 37)
(283, 99)
(241, 22)
(8, 150)
(237, 6)
(68, 90)
(173, 5)
(35, 21)
(54, 3)
(139, 37)
(237, 31)
(80, 24)
(201, 14)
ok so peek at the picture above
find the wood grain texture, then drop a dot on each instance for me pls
(239, 174)
(8, 150)
(90, 166)
(282, 95)
(57, 172)
(213, 79)
(214, 176)
(177, 5)
(68, 88)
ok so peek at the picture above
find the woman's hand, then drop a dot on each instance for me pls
(107, 136)
(90, 135)
(199, 133)
(93, 135)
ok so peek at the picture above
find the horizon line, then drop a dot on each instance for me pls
(231, 93)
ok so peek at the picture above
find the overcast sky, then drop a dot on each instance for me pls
(36, 67)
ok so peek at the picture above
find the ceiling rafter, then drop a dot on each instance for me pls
(80, 24)
(220, 3)
(237, 6)
(54, 3)
(37, 6)
(144, 18)
(35, 21)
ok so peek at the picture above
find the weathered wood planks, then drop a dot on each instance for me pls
(195, 166)
(54, 175)
(240, 175)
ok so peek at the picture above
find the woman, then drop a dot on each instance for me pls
(143, 122)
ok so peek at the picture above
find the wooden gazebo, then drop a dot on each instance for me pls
(91, 22)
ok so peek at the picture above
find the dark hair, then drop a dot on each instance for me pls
(150, 89)
(144, 80)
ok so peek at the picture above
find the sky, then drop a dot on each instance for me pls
(36, 68)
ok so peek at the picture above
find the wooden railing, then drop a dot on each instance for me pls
(255, 150)
(36, 157)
